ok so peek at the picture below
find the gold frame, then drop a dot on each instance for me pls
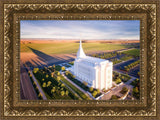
(13, 12)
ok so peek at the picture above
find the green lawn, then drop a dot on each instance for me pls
(81, 94)
(134, 52)
(41, 74)
(63, 48)
(58, 67)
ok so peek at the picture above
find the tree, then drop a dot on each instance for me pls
(62, 68)
(61, 88)
(62, 93)
(53, 90)
(40, 95)
(135, 90)
(66, 72)
(67, 92)
(49, 83)
(73, 76)
(118, 80)
(91, 89)
(98, 91)
(127, 69)
(52, 74)
(58, 78)
(34, 83)
(37, 88)
(35, 70)
(47, 76)
(54, 66)
(44, 84)
(138, 73)
(85, 83)
(124, 89)
(59, 84)
(119, 75)
(114, 97)
(94, 93)
(103, 89)
(62, 85)
(58, 73)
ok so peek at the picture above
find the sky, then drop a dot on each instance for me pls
(81, 29)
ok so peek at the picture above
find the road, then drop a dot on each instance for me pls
(39, 87)
(124, 63)
(26, 90)
(132, 72)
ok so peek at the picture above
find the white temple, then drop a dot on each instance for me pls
(95, 71)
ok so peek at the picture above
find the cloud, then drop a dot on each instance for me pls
(91, 29)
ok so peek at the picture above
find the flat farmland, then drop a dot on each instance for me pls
(36, 53)
(134, 52)
(67, 48)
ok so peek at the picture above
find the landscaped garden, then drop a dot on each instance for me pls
(106, 55)
(56, 86)
(116, 57)
(52, 86)
(118, 77)
(114, 97)
(95, 92)
(125, 58)
(71, 63)
(132, 52)
(124, 90)
(115, 61)
(132, 65)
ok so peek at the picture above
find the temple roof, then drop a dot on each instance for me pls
(82, 56)
(80, 53)
(94, 59)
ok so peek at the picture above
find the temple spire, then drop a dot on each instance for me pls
(80, 52)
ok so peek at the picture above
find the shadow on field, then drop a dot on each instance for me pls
(44, 59)
(40, 54)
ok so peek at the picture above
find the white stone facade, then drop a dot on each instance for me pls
(95, 71)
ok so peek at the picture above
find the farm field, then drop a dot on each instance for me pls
(67, 48)
(40, 52)
(133, 52)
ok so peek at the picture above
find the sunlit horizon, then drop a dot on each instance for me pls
(80, 29)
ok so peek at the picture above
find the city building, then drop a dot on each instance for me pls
(95, 71)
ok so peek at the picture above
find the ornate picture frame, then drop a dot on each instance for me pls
(12, 107)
